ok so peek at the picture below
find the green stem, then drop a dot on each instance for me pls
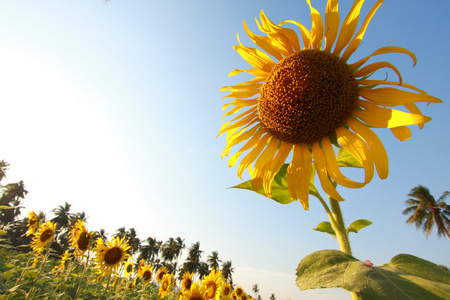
(339, 227)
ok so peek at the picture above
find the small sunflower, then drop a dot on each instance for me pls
(226, 291)
(312, 99)
(146, 273)
(197, 292)
(161, 272)
(128, 268)
(213, 282)
(167, 284)
(111, 256)
(62, 263)
(80, 238)
(238, 292)
(33, 222)
(186, 282)
(43, 236)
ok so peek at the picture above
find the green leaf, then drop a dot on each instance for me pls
(358, 225)
(325, 227)
(280, 192)
(404, 277)
(345, 159)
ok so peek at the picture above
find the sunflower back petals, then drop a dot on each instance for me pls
(370, 69)
(384, 50)
(402, 133)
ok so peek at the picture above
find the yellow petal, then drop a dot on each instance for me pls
(263, 160)
(250, 119)
(393, 97)
(253, 154)
(348, 27)
(320, 165)
(239, 138)
(369, 69)
(263, 42)
(299, 175)
(250, 143)
(275, 166)
(376, 146)
(332, 23)
(276, 34)
(356, 147)
(378, 82)
(354, 44)
(388, 118)
(306, 35)
(333, 168)
(256, 58)
(402, 133)
(384, 50)
(412, 108)
(317, 27)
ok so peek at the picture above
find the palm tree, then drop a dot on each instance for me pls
(120, 233)
(255, 289)
(203, 269)
(213, 260)
(62, 217)
(11, 197)
(272, 297)
(133, 240)
(3, 167)
(227, 271)
(426, 211)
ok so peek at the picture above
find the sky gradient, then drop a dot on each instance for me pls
(115, 108)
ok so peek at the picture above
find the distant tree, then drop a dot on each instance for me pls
(272, 297)
(62, 217)
(227, 271)
(202, 269)
(426, 211)
(133, 240)
(120, 232)
(255, 290)
(11, 195)
(213, 260)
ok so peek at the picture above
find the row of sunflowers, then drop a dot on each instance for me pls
(105, 271)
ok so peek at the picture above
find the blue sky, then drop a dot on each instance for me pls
(115, 107)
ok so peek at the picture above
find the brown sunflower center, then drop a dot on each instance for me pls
(226, 290)
(83, 241)
(306, 96)
(113, 255)
(196, 296)
(187, 283)
(147, 275)
(211, 285)
(46, 235)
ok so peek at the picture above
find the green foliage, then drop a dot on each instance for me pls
(325, 227)
(404, 277)
(280, 192)
(358, 225)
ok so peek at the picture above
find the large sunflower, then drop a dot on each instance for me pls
(197, 292)
(80, 238)
(312, 99)
(213, 281)
(43, 236)
(111, 256)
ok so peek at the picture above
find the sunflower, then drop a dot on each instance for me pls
(186, 282)
(62, 263)
(146, 273)
(238, 293)
(312, 99)
(128, 268)
(213, 282)
(43, 236)
(110, 256)
(33, 221)
(226, 291)
(162, 271)
(80, 238)
(197, 292)
(167, 284)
